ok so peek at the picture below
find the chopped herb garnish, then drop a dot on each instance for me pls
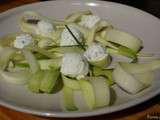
(79, 43)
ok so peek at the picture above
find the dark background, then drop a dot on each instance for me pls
(151, 6)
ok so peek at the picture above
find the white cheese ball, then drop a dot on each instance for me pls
(45, 27)
(95, 52)
(74, 65)
(89, 21)
(22, 40)
(67, 39)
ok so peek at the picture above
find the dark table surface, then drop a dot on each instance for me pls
(151, 6)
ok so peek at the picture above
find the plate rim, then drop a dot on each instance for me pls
(86, 113)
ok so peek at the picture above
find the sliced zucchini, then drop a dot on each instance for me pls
(49, 80)
(146, 78)
(20, 77)
(101, 63)
(141, 67)
(88, 93)
(99, 26)
(47, 64)
(74, 17)
(41, 51)
(107, 73)
(33, 63)
(102, 91)
(68, 99)
(126, 80)
(121, 50)
(124, 39)
(6, 54)
(71, 83)
(67, 49)
(35, 81)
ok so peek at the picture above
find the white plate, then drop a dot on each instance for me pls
(135, 21)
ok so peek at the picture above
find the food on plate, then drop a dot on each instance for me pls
(80, 52)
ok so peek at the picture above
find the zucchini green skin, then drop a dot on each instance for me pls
(141, 67)
(134, 77)
(107, 73)
(101, 63)
(43, 81)
(102, 98)
(5, 58)
(121, 50)
(71, 83)
(88, 93)
(116, 48)
(127, 81)
(66, 49)
(35, 81)
(68, 99)
(49, 80)
(124, 39)
(47, 64)
(33, 63)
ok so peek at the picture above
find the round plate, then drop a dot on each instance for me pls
(135, 21)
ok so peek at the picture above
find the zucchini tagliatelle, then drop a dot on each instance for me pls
(77, 53)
